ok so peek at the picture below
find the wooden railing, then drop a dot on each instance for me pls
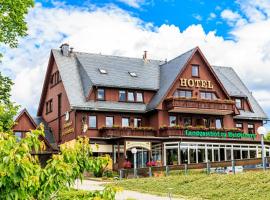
(146, 171)
(118, 132)
(173, 103)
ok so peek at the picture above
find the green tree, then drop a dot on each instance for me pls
(21, 176)
(267, 136)
(7, 108)
(12, 20)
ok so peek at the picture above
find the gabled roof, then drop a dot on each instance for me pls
(36, 121)
(80, 73)
(118, 69)
(21, 113)
(235, 87)
(168, 74)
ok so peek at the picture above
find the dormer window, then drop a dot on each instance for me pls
(101, 94)
(102, 71)
(133, 74)
(239, 104)
(195, 71)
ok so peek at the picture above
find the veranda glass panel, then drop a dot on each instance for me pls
(201, 155)
(192, 155)
(172, 156)
(184, 155)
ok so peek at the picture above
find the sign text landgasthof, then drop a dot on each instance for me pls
(219, 134)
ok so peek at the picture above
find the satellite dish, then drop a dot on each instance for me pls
(85, 127)
(67, 116)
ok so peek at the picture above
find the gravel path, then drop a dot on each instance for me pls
(97, 185)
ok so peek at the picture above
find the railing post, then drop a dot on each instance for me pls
(150, 172)
(135, 173)
(120, 174)
(208, 167)
(186, 168)
(167, 170)
(233, 166)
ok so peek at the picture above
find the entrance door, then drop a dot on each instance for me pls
(142, 157)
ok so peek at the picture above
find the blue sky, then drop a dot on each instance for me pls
(231, 33)
(181, 13)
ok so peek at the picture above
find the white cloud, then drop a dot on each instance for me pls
(233, 18)
(212, 16)
(133, 3)
(111, 30)
(197, 16)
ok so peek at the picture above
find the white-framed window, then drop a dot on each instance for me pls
(139, 97)
(109, 121)
(131, 96)
(92, 121)
(172, 120)
(101, 94)
(137, 122)
(125, 122)
(195, 70)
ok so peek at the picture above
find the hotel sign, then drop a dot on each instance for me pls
(219, 134)
(196, 83)
(131, 144)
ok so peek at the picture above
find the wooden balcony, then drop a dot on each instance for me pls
(200, 106)
(127, 131)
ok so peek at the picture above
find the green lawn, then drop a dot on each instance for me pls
(248, 185)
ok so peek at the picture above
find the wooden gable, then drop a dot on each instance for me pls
(206, 81)
(24, 122)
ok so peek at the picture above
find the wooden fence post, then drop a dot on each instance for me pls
(167, 170)
(233, 166)
(150, 172)
(186, 168)
(120, 174)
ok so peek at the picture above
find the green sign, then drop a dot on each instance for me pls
(219, 134)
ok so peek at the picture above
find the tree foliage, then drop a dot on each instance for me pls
(12, 20)
(7, 108)
(22, 177)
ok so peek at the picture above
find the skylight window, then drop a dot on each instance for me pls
(133, 74)
(102, 71)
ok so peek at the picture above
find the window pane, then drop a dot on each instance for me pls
(130, 96)
(176, 93)
(208, 95)
(195, 70)
(182, 93)
(139, 97)
(18, 136)
(92, 121)
(172, 120)
(238, 103)
(100, 95)
(137, 122)
(239, 125)
(203, 95)
(125, 122)
(122, 95)
(218, 123)
(187, 121)
(109, 121)
(188, 94)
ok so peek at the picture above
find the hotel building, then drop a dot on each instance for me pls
(179, 111)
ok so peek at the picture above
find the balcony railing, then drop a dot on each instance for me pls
(127, 131)
(200, 105)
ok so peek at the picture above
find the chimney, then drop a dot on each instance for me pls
(145, 56)
(65, 49)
